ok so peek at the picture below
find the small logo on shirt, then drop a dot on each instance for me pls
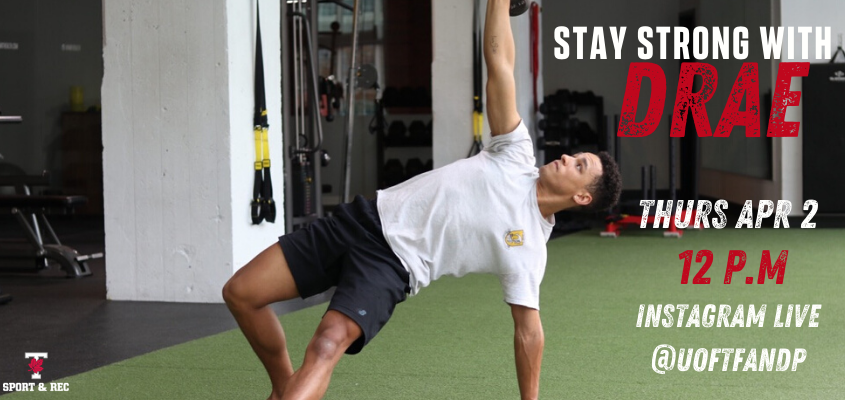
(514, 238)
(362, 312)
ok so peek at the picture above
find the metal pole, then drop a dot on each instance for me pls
(296, 90)
(350, 93)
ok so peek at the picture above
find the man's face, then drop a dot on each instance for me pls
(571, 175)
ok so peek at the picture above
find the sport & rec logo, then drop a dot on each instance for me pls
(35, 364)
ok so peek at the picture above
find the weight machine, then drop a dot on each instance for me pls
(301, 122)
(309, 98)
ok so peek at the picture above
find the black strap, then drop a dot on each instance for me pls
(478, 103)
(263, 207)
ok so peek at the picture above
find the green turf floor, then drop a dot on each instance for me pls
(454, 340)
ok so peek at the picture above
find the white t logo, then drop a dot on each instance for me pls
(36, 356)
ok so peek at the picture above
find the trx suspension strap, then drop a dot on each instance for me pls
(263, 206)
(478, 104)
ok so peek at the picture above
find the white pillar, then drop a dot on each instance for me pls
(178, 150)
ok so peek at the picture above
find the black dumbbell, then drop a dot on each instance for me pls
(417, 132)
(585, 134)
(390, 97)
(518, 7)
(562, 102)
(557, 124)
(394, 172)
(413, 168)
(406, 97)
(397, 134)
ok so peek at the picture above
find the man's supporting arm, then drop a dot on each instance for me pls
(528, 341)
(499, 55)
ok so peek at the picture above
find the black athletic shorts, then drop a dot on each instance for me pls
(348, 250)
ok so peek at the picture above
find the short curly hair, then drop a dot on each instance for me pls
(606, 188)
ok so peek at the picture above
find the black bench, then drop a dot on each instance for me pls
(35, 254)
(22, 201)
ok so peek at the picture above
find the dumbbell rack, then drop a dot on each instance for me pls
(560, 109)
(407, 148)
(559, 127)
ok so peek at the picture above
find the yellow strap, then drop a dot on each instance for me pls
(477, 125)
(480, 123)
(257, 131)
(266, 144)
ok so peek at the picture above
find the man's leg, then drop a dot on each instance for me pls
(264, 280)
(334, 335)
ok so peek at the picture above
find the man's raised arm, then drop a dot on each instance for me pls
(499, 54)
(528, 342)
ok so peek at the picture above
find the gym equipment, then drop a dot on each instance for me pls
(838, 52)
(263, 207)
(379, 122)
(339, 3)
(406, 97)
(478, 103)
(561, 102)
(35, 254)
(617, 220)
(563, 133)
(302, 111)
(560, 132)
(9, 119)
(418, 133)
(410, 97)
(367, 77)
(556, 123)
(350, 97)
(397, 134)
(823, 96)
(518, 7)
(390, 97)
(420, 97)
(631, 213)
(394, 172)
(330, 94)
(414, 167)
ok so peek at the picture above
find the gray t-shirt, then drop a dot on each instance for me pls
(476, 215)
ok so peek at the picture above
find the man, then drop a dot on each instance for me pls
(489, 213)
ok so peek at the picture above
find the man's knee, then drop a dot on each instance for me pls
(332, 340)
(233, 293)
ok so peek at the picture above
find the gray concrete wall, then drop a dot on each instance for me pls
(178, 144)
